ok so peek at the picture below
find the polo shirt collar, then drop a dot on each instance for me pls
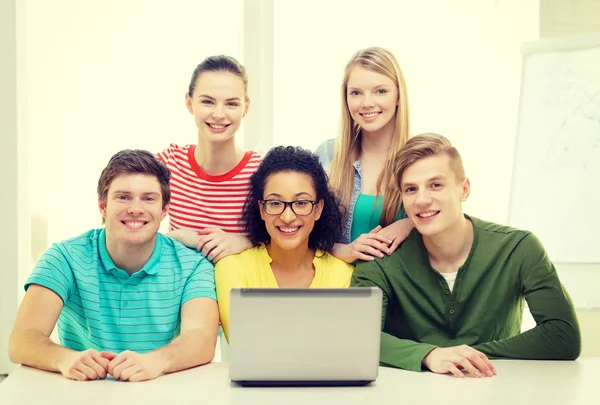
(150, 268)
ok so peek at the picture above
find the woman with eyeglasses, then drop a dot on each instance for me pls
(293, 220)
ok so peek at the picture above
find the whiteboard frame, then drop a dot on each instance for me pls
(559, 44)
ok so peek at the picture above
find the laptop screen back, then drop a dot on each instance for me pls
(305, 334)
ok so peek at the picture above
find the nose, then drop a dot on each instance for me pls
(287, 215)
(368, 100)
(135, 208)
(218, 112)
(423, 197)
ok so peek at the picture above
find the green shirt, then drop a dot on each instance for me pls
(504, 267)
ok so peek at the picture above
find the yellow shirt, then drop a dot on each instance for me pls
(252, 269)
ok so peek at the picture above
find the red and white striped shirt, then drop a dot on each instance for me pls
(200, 200)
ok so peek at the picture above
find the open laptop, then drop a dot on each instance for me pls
(304, 336)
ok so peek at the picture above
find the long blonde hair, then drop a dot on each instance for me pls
(348, 142)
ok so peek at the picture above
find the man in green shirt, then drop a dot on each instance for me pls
(454, 292)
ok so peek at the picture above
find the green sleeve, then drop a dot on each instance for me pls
(557, 335)
(394, 352)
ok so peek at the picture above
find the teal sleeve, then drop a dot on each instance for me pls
(557, 335)
(53, 272)
(394, 352)
(201, 282)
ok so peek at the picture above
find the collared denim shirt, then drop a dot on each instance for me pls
(325, 154)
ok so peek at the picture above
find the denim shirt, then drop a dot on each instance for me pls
(325, 154)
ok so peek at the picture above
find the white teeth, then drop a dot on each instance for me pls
(427, 214)
(216, 126)
(288, 230)
(370, 115)
(134, 224)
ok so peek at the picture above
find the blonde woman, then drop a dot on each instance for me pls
(374, 126)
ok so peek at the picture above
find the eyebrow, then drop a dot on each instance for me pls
(279, 195)
(374, 87)
(129, 192)
(214, 99)
(434, 178)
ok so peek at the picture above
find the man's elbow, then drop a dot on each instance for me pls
(573, 347)
(14, 350)
(207, 355)
(568, 342)
(206, 352)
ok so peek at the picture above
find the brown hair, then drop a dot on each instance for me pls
(348, 142)
(425, 145)
(131, 161)
(219, 63)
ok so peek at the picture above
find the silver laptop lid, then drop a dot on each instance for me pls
(306, 334)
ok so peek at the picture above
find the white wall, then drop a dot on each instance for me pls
(562, 18)
(9, 176)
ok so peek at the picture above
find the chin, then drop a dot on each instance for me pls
(427, 230)
(287, 245)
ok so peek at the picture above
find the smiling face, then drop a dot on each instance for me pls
(372, 99)
(218, 104)
(432, 195)
(287, 230)
(133, 210)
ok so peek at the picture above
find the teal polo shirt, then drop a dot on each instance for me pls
(105, 308)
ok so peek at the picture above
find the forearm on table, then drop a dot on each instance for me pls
(192, 348)
(32, 348)
(550, 340)
(403, 353)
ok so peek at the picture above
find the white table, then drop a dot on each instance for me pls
(517, 382)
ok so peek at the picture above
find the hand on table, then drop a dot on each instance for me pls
(83, 366)
(457, 359)
(133, 366)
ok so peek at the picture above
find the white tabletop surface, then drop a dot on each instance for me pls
(516, 382)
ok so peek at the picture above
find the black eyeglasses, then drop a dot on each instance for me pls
(299, 207)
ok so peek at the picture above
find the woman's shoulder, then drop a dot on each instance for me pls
(332, 263)
(175, 152)
(326, 148)
(247, 259)
(325, 153)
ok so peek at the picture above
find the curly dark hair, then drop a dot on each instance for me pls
(327, 230)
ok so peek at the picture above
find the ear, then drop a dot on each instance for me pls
(188, 103)
(164, 212)
(260, 209)
(247, 107)
(102, 207)
(466, 190)
(319, 209)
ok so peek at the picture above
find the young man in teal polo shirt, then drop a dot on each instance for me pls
(130, 302)
(454, 291)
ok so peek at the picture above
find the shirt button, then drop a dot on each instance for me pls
(447, 292)
(125, 304)
(451, 312)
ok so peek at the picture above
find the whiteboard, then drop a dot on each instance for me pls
(556, 176)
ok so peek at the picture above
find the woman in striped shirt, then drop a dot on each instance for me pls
(210, 180)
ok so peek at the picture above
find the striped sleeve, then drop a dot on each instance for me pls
(201, 282)
(167, 154)
(54, 272)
